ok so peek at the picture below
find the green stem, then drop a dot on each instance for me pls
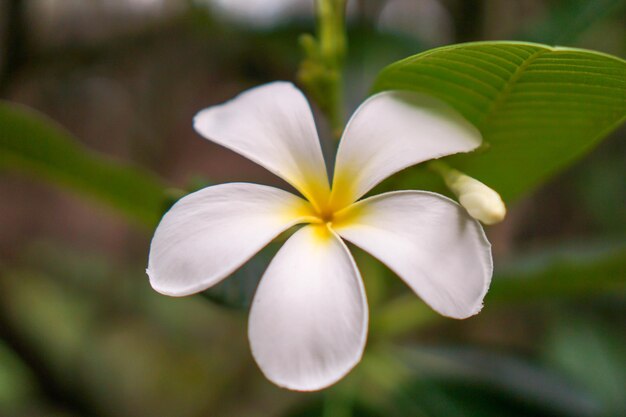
(321, 70)
(331, 29)
(440, 168)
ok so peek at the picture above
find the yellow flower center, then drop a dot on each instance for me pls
(325, 214)
(326, 207)
(328, 216)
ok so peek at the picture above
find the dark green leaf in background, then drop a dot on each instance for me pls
(568, 20)
(442, 381)
(592, 355)
(237, 290)
(539, 108)
(16, 382)
(569, 270)
(32, 143)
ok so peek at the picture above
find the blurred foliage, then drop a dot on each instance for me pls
(464, 381)
(569, 20)
(97, 332)
(569, 270)
(34, 144)
(592, 355)
(600, 186)
(16, 383)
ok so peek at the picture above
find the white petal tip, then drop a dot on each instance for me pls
(306, 387)
(472, 313)
(318, 384)
(169, 291)
(462, 314)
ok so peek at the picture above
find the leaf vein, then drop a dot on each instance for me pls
(508, 88)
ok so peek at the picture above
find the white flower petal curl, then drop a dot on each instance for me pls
(308, 321)
(208, 234)
(391, 131)
(273, 126)
(430, 242)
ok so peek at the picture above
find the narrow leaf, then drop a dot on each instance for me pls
(32, 143)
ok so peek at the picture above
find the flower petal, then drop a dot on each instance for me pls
(391, 131)
(208, 234)
(273, 126)
(430, 242)
(308, 322)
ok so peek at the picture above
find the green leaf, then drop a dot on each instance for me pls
(538, 108)
(32, 143)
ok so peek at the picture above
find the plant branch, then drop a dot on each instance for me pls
(321, 70)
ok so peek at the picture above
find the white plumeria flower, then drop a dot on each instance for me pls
(309, 316)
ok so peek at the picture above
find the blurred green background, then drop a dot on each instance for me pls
(83, 334)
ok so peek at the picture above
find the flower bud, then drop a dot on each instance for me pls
(481, 202)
